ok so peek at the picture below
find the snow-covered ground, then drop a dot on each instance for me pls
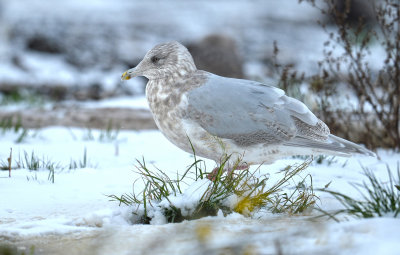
(73, 214)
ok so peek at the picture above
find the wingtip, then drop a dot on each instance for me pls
(366, 152)
(352, 147)
(371, 153)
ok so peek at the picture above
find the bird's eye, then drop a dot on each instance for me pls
(155, 59)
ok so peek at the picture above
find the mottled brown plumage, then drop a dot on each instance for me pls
(221, 116)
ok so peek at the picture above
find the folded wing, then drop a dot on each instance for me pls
(250, 113)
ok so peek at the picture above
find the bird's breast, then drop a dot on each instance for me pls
(168, 106)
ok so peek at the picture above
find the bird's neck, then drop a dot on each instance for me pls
(183, 69)
(176, 76)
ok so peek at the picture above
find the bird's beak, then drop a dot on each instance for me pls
(129, 74)
(125, 76)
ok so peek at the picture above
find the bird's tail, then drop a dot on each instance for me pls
(334, 145)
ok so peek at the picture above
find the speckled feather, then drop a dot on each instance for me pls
(223, 116)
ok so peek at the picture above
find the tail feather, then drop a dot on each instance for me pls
(334, 145)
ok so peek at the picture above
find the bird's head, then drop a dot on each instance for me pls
(164, 60)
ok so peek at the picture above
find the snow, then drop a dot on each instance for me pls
(76, 206)
(73, 215)
(104, 36)
(108, 37)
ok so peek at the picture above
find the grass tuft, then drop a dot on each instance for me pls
(110, 134)
(34, 163)
(244, 192)
(11, 124)
(379, 199)
(74, 164)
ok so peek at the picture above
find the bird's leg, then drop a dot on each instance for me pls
(241, 166)
(213, 174)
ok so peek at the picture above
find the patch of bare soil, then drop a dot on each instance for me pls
(100, 118)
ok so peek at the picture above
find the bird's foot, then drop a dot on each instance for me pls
(242, 166)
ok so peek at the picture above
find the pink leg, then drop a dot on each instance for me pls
(211, 176)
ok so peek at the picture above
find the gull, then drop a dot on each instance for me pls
(239, 121)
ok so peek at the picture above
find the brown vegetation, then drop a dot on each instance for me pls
(375, 121)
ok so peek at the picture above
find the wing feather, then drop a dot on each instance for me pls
(246, 111)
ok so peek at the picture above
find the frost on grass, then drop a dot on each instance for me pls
(193, 195)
